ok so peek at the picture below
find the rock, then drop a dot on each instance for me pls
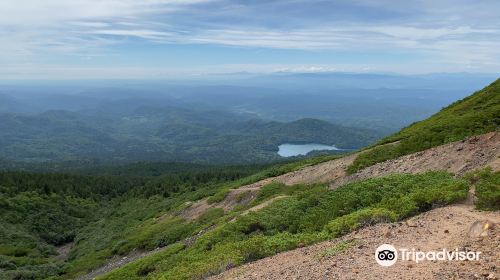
(481, 228)
(410, 223)
(491, 276)
(446, 231)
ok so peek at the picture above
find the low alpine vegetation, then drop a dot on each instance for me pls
(487, 185)
(476, 114)
(305, 216)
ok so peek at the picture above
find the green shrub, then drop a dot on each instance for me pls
(218, 197)
(487, 188)
(373, 156)
(211, 215)
(270, 190)
(359, 219)
(308, 215)
(338, 248)
(276, 188)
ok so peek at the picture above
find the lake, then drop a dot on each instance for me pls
(289, 150)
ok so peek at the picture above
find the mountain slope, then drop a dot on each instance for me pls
(351, 256)
(196, 225)
(458, 157)
(298, 215)
(476, 114)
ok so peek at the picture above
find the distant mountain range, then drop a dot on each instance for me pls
(242, 120)
(125, 134)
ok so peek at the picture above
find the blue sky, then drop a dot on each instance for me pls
(58, 39)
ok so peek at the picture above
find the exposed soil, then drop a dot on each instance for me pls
(457, 157)
(320, 173)
(116, 262)
(263, 204)
(240, 196)
(442, 228)
(63, 251)
(119, 261)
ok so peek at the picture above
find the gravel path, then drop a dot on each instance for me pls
(442, 228)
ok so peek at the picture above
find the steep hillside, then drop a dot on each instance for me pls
(202, 223)
(352, 256)
(476, 114)
(275, 217)
(54, 224)
(458, 158)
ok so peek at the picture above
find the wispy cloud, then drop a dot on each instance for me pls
(458, 34)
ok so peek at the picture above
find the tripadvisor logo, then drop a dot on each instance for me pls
(388, 255)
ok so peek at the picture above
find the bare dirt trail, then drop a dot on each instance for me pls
(442, 228)
(116, 262)
(320, 173)
(119, 261)
(263, 204)
(457, 157)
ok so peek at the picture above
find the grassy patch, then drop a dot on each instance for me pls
(274, 189)
(307, 216)
(487, 188)
(338, 248)
(358, 219)
(272, 171)
(218, 196)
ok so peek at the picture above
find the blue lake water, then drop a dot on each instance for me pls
(289, 150)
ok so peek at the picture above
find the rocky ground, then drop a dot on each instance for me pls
(352, 256)
(440, 228)
(457, 157)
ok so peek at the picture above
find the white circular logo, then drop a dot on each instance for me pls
(386, 255)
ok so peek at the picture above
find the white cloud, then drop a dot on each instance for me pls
(446, 34)
(49, 12)
(141, 33)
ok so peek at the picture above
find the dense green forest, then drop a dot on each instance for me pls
(41, 211)
(101, 212)
(166, 134)
(105, 215)
(108, 215)
(476, 114)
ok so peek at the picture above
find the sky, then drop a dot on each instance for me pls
(127, 39)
